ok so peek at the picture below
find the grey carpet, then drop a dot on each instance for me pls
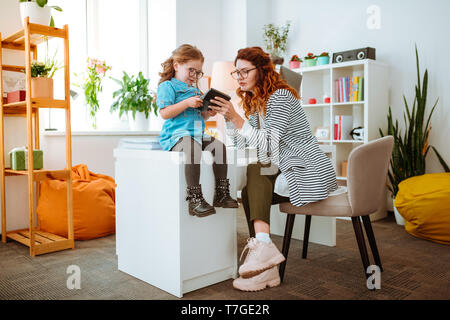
(413, 269)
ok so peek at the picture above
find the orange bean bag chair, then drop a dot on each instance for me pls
(93, 205)
(424, 202)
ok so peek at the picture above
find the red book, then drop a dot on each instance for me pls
(340, 127)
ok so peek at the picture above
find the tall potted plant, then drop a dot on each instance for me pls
(275, 39)
(135, 98)
(38, 11)
(411, 147)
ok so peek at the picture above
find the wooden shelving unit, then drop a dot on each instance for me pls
(26, 40)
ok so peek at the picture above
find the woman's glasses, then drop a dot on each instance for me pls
(236, 74)
(195, 73)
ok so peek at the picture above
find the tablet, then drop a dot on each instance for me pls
(210, 94)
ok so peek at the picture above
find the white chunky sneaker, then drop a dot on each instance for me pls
(269, 278)
(261, 256)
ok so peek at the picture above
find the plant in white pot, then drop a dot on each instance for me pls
(38, 11)
(135, 98)
(411, 148)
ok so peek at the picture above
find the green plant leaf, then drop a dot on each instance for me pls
(441, 160)
(41, 3)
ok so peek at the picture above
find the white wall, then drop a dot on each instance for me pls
(199, 22)
(336, 26)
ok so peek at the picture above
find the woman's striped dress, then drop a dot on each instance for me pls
(287, 142)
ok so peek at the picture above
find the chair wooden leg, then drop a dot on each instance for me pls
(371, 237)
(286, 242)
(361, 243)
(306, 236)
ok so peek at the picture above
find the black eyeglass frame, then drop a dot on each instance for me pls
(239, 73)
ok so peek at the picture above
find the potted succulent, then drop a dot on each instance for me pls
(324, 58)
(275, 39)
(135, 98)
(411, 148)
(92, 86)
(38, 11)
(310, 60)
(295, 62)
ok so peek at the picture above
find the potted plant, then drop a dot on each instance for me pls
(295, 62)
(411, 147)
(92, 86)
(324, 58)
(310, 60)
(275, 39)
(135, 98)
(42, 77)
(38, 11)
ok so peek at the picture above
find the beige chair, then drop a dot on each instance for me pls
(366, 181)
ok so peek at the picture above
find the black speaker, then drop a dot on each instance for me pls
(356, 54)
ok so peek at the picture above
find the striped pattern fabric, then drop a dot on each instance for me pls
(287, 142)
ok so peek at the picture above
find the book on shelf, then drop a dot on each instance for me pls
(349, 89)
(343, 125)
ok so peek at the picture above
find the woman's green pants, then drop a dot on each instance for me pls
(258, 196)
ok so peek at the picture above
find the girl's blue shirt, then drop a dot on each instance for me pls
(188, 123)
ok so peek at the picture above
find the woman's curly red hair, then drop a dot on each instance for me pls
(268, 81)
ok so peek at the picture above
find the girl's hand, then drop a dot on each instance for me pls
(194, 102)
(224, 108)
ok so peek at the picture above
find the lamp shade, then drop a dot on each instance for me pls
(221, 78)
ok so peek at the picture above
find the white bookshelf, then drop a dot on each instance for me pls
(371, 113)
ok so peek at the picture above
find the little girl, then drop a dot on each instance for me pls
(178, 99)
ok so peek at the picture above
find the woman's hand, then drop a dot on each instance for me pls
(226, 109)
(208, 114)
(211, 113)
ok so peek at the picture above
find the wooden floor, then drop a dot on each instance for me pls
(413, 269)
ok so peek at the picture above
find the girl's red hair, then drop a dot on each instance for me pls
(268, 81)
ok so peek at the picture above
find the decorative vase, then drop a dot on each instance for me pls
(310, 62)
(294, 64)
(37, 14)
(323, 60)
(398, 217)
(42, 88)
(277, 59)
(139, 123)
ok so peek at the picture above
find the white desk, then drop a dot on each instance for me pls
(157, 240)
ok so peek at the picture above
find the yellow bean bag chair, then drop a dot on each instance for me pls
(93, 205)
(424, 202)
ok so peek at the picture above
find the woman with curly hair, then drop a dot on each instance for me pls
(277, 126)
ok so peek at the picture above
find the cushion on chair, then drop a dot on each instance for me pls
(424, 202)
(334, 206)
(93, 205)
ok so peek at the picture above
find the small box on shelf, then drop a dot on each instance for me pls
(16, 96)
(19, 159)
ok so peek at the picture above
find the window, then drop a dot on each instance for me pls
(117, 32)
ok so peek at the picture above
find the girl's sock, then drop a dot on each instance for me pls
(264, 237)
